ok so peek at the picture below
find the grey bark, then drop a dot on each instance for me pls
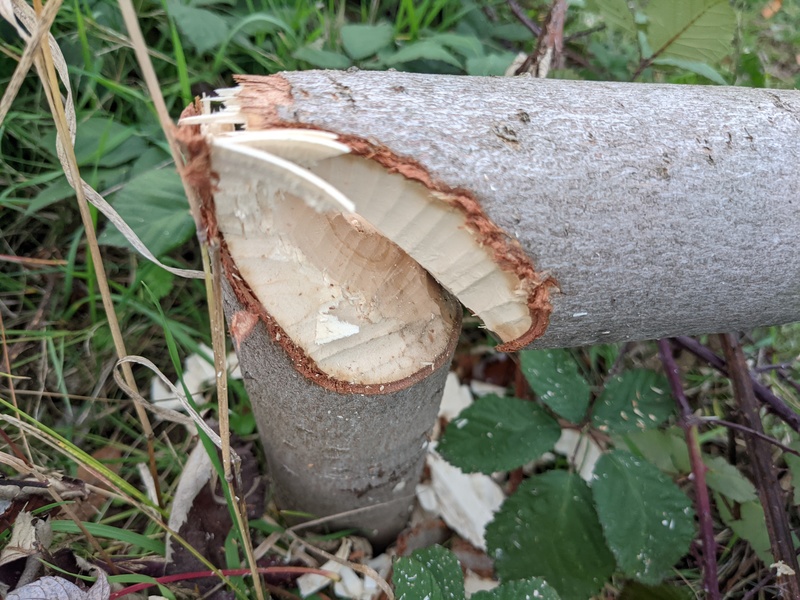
(660, 209)
(328, 454)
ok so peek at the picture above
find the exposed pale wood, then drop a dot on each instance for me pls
(352, 308)
(443, 230)
(433, 233)
(659, 209)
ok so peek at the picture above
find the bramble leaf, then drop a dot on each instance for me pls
(548, 528)
(432, 573)
(616, 13)
(634, 590)
(514, 590)
(498, 434)
(647, 520)
(694, 30)
(635, 400)
(554, 376)
(726, 479)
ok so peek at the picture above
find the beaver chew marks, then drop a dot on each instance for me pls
(337, 244)
(352, 301)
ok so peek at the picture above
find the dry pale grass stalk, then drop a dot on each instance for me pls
(210, 255)
(46, 69)
(41, 29)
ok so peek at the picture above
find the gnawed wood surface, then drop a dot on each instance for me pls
(658, 209)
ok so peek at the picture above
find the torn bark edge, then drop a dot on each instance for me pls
(201, 177)
(258, 99)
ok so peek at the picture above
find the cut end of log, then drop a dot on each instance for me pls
(340, 241)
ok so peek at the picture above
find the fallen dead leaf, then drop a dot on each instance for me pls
(57, 588)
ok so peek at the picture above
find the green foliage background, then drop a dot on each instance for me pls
(197, 46)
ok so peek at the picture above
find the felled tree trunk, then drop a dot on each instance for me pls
(561, 213)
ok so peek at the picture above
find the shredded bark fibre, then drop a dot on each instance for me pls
(258, 100)
(202, 178)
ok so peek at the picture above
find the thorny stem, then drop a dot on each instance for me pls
(748, 431)
(177, 577)
(702, 501)
(764, 394)
(785, 377)
(766, 481)
(761, 584)
(519, 12)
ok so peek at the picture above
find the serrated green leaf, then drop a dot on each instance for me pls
(751, 526)
(498, 434)
(159, 281)
(636, 399)
(616, 13)
(693, 66)
(726, 479)
(554, 376)
(665, 449)
(202, 29)
(694, 30)
(103, 142)
(55, 192)
(634, 590)
(423, 50)
(412, 581)
(548, 528)
(491, 64)
(467, 46)
(324, 59)
(511, 32)
(647, 520)
(361, 41)
(516, 590)
(432, 573)
(154, 206)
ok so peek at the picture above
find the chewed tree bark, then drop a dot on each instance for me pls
(658, 209)
(353, 209)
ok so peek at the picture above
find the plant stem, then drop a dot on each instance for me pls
(775, 404)
(520, 13)
(47, 74)
(748, 431)
(766, 481)
(702, 501)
